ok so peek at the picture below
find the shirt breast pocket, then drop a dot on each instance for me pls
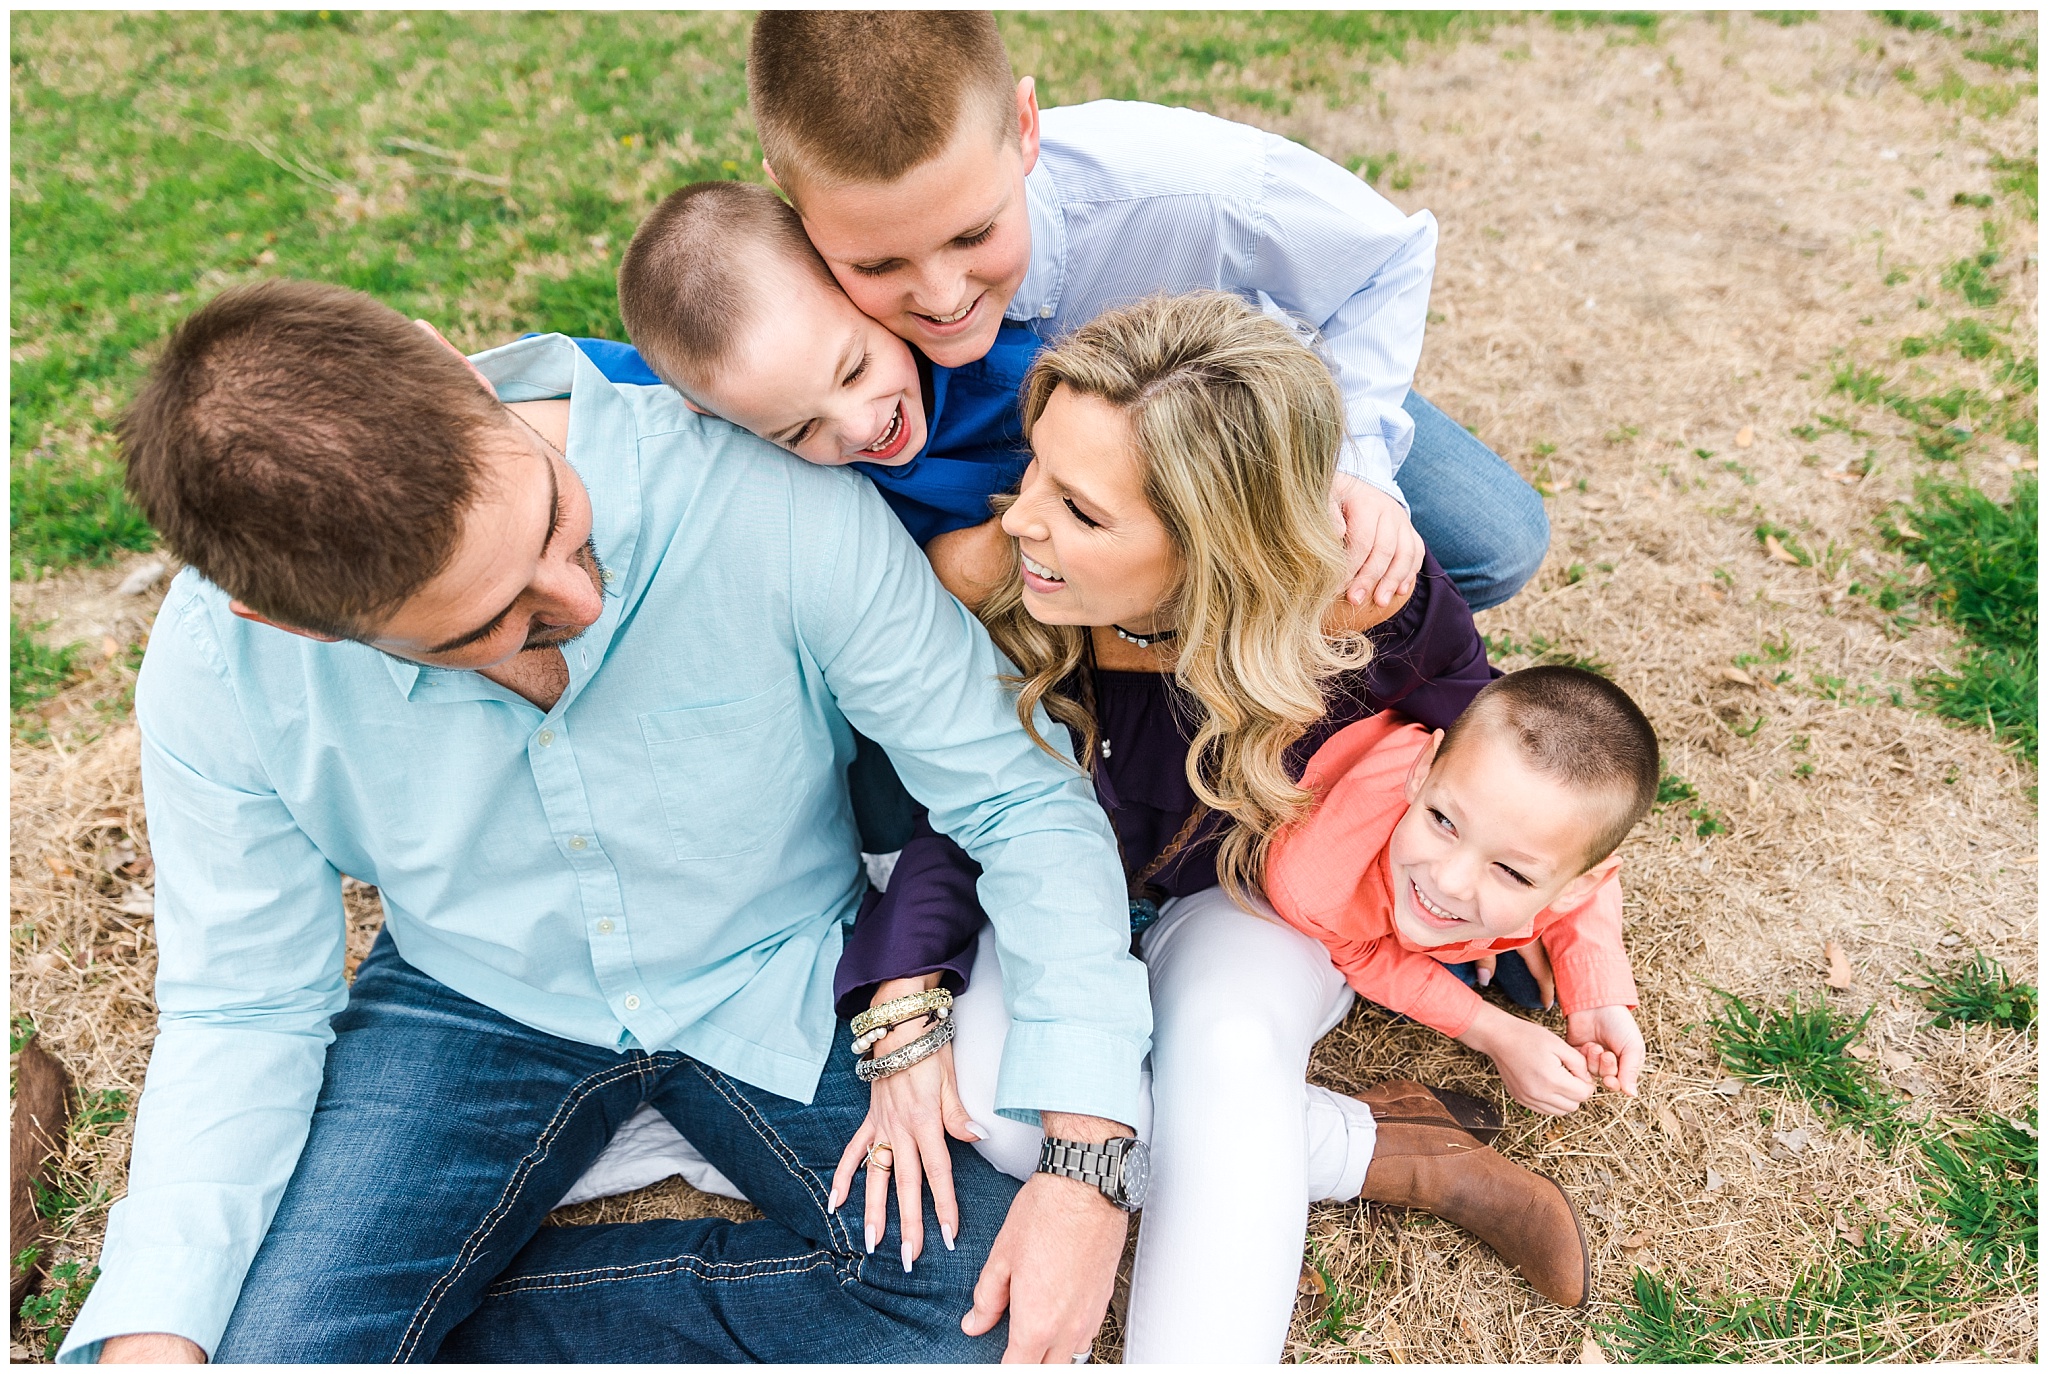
(730, 776)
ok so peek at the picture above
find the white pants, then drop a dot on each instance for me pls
(1241, 1144)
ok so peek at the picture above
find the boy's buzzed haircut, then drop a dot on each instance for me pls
(690, 279)
(1579, 728)
(866, 95)
(309, 450)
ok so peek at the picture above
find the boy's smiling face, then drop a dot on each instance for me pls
(937, 254)
(1488, 842)
(816, 376)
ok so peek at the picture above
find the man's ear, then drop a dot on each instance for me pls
(1027, 122)
(1581, 887)
(481, 380)
(773, 180)
(249, 613)
(1418, 770)
(695, 407)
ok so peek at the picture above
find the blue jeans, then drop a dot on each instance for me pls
(1481, 520)
(445, 1132)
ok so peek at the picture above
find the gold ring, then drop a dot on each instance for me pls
(882, 1147)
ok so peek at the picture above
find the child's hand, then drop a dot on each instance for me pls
(1612, 1044)
(1542, 1071)
(1535, 960)
(1380, 541)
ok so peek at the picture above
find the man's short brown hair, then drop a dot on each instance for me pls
(866, 95)
(1580, 729)
(691, 278)
(309, 451)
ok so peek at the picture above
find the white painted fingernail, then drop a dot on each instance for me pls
(946, 1234)
(1485, 977)
(873, 1237)
(906, 1256)
(980, 1131)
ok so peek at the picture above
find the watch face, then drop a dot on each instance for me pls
(1137, 1174)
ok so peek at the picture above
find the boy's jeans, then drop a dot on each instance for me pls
(1476, 514)
(411, 1229)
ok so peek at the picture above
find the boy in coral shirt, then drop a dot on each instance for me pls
(1432, 849)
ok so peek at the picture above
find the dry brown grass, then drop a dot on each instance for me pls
(1646, 250)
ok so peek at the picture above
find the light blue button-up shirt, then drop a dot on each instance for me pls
(663, 860)
(1129, 199)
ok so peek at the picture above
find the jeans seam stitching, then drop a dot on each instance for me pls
(696, 1267)
(779, 1148)
(465, 1256)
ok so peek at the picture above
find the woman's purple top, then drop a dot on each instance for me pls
(1428, 662)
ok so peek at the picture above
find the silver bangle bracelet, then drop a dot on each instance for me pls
(896, 1061)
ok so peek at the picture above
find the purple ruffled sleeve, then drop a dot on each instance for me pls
(925, 923)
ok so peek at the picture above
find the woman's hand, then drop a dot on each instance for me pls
(913, 1112)
(1380, 541)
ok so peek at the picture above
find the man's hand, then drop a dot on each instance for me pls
(154, 1347)
(1612, 1044)
(1542, 1071)
(1054, 1262)
(1379, 540)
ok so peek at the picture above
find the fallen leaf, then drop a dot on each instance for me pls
(1715, 1183)
(1840, 975)
(1738, 676)
(1469, 1331)
(1842, 475)
(109, 646)
(1390, 1332)
(1775, 550)
(1756, 791)
(1796, 1141)
(1635, 1240)
(1744, 437)
(1311, 1282)
(1854, 1235)
(1711, 590)
(59, 866)
(1600, 1210)
(1906, 531)
(138, 902)
(1862, 1052)
(1591, 1353)
(1668, 1123)
(1895, 1061)
(142, 579)
(2023, 1128)
(1729, 1087)
(1950, 940)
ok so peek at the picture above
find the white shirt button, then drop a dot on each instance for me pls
(632, 1003)
(1044, 312)
(604, 927)
(547, 737)
(578, 842)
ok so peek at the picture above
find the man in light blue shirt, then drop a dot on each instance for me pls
(569, 673)
(941, 222)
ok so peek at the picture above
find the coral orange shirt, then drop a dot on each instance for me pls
(1329, 876)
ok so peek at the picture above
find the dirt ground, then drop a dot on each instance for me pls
(1647, 250)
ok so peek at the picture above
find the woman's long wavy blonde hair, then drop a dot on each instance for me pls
(1237, 425)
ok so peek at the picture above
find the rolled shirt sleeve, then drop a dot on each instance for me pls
(912, 670)
(250, 934)
(1586, 952)
(1334, 252)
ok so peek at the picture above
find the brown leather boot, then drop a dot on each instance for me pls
(1524, 1216)
(1398, 1101)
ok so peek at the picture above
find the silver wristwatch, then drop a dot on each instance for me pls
(1120, 1168)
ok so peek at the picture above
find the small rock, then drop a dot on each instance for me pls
(1950, 940)
(142, 579)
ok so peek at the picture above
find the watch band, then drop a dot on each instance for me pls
(1094, 1165)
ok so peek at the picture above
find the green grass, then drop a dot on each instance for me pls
(1985, 1184)
(35, 671)
(1977, 991)
(1983, 559)
(48, 1314)
(1803, 1048)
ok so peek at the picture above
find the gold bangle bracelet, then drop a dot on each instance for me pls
(900, 1009)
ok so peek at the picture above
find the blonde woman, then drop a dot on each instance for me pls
(1170, 592)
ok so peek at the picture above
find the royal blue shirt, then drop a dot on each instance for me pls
(974, 445)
